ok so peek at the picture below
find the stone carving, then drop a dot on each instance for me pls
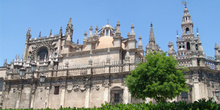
(83, 89)
(106, 84)
(97, 88)
(76, 88)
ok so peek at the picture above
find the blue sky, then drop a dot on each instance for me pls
(16, 16)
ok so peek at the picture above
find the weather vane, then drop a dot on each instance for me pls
(184, 3)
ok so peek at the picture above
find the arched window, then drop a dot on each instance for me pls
(187, 30)
(107, 33)
(184, 96)
(116, 95)
(188, 46)
(196, 46)
(42, 53)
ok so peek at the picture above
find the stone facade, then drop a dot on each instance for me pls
(55, 71)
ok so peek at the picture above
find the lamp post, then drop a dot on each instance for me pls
(22, 72)
(42, 79)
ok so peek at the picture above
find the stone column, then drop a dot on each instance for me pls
(107, 68)
(62, 96)
(106, 91)
(47, 89)
(87, 95)
(125, 95)
(20, 88)
(196, 86)
(32, 94)
(89, 68)
(127, 60)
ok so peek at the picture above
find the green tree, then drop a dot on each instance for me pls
(157, 78)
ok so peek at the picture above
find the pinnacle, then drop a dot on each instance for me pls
(132, 25)
(40, 34)
(70, 21)
(118, 23)
(61, 29)
(97, 28)
(85, 33)
(151, 39)
(91, 28)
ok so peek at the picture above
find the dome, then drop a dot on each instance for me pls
(105, 42)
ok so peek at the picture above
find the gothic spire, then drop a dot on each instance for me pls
(151, 39)
(69, 31)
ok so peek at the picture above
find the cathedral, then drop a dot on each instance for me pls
(54, 71)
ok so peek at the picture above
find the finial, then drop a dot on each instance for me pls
(118, 31)
(61, 30)
(132, 25)
(90, 33)
(118, 23)
(132, 29)
(151, 24)
(91, 28)
(40, 34)
(176, 32)
(97, 28)
(70, 21)
(108, 51)
(5, 63)
(28, 32)
(140, 45)
(184, 3)
(197, 32)
(51, 32)
(77, 41)
(85, 34)
(140, 37)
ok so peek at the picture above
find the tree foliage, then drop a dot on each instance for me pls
(157, 78)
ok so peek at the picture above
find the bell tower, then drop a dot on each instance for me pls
(187, 24)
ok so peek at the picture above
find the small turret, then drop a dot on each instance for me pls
(117, 35)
